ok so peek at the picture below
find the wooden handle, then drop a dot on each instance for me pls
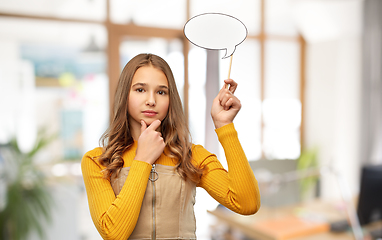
(229, 70)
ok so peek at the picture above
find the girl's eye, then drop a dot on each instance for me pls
(139, 90)
(160, 92)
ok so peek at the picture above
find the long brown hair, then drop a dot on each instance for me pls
(117, 138)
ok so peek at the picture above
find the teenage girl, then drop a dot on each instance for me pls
(141, 183)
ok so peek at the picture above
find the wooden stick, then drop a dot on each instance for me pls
(229, 70)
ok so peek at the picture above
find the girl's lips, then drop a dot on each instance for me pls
(149, 113)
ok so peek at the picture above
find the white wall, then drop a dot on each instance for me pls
(17, 97)
(333, 90)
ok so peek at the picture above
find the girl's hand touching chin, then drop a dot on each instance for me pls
(150, 143)
(225, 106)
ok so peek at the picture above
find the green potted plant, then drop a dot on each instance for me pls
(308, 161)
(27, 197)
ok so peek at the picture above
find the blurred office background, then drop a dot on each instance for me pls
(309, 77)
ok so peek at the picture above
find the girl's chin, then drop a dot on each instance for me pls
(149, 121)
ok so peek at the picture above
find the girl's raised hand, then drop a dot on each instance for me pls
(150, 143)
(225, 106)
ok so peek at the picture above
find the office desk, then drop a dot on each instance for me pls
(318, 211)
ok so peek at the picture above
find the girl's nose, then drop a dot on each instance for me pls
(151, 101)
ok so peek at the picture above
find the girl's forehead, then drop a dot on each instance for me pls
(149, 75)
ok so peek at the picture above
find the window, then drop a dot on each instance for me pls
(245, 71)
(67, 79)
(267, 67)
(69, 9)
(163, 14)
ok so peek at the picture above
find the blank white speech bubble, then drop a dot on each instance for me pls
(215, 31)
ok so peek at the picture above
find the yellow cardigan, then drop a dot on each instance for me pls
(115, 217)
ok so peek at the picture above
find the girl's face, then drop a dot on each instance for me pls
(149, 96)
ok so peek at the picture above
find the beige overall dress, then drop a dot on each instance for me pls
(167, 210)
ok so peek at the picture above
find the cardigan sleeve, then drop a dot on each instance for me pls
(237, 188)
(115, 217)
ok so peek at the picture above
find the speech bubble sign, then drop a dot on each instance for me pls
(215, 31)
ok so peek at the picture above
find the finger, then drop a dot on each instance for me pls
(224, 95)
(228, 104)
(225, 99)
(232, 85)
(235, 103)
(143, 126)
(232, 102)
(154, 125)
